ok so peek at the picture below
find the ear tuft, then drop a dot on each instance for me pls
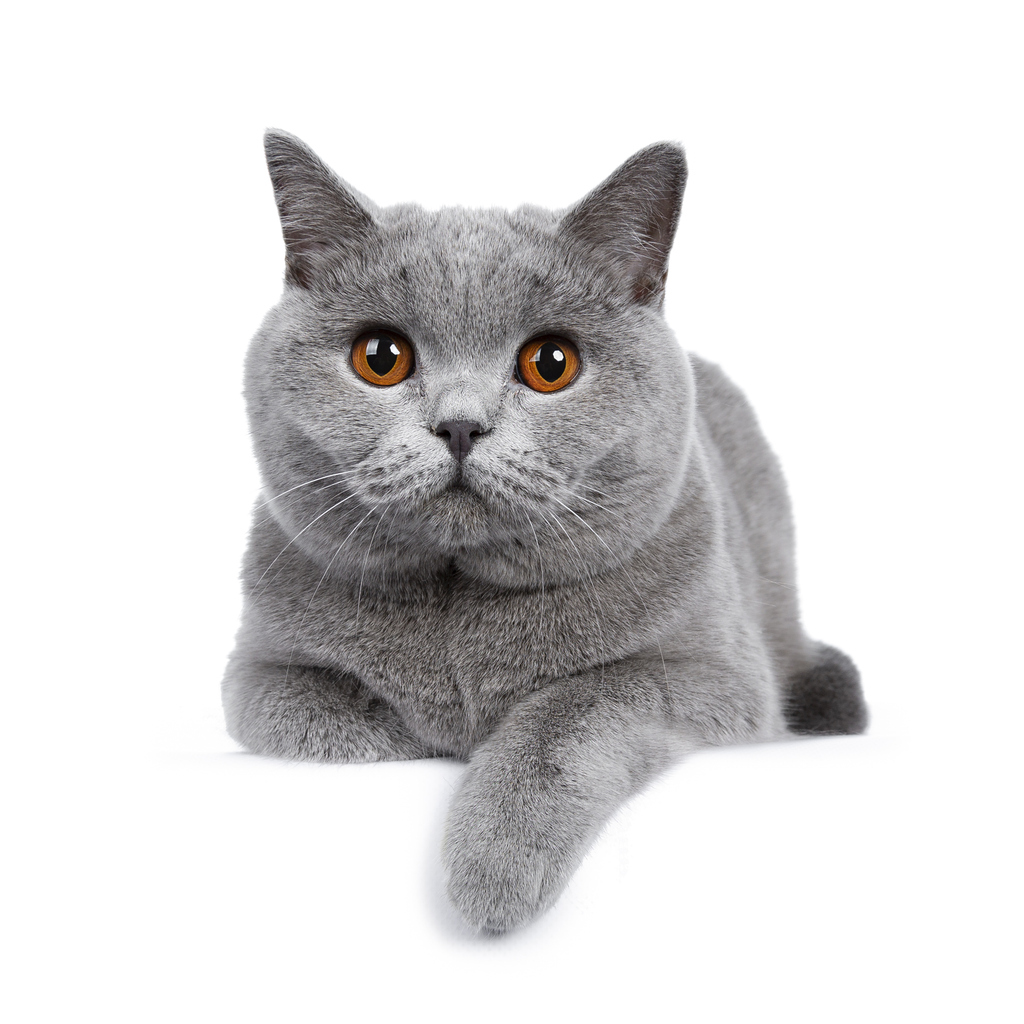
(628, 222)
(320, 215)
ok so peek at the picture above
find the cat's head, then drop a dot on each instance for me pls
(493, 388)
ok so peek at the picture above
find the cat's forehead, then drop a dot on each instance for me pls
(460, 275)
(455, 241)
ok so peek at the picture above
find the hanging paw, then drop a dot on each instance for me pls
(510, 846)
(495, 887)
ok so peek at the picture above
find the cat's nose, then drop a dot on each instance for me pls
(460, 434)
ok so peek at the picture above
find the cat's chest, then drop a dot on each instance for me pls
(476, 638)
(455, 658)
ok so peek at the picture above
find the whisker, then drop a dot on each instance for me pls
(596, 504)
(778, 583)
(540, 563)
(362, 573)
(315, 480)
(319, 490)
(590, 591)
(296, 537)
(628, 577)
(385, 568)
(298, 629)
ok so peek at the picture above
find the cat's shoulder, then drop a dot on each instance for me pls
(726, 418)
(715, 390)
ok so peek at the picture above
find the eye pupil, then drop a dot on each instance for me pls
(381, 355)
(550, 362)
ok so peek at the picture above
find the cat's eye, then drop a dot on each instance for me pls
(548, 363)
(382, 357)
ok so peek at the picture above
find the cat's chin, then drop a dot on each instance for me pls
(458, 518)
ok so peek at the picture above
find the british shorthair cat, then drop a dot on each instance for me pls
(507, 519)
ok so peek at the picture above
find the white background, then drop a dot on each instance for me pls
(850, 251)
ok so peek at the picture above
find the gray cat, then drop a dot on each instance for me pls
(507, 520)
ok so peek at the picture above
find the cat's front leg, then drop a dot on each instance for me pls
(312, 714)
(540, 788)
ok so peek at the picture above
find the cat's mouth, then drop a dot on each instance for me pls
(460, 485)
(462, 495)
(458, 516)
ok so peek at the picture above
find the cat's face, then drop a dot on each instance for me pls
(558, 480)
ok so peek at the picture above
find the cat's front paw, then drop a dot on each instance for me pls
(498, 888)
(510, 847)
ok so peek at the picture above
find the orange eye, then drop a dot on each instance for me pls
(548, 363)
(382, 357)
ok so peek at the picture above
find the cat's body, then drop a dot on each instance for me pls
(569, 590)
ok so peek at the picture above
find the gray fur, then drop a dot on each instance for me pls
(602, 584)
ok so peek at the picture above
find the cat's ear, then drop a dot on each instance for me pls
(627, 223)
(321, 217)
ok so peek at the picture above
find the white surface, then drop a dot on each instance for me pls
(849, 250)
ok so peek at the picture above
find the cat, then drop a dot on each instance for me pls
(506, 519)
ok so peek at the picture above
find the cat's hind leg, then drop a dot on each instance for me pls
(312, 714)
(826, 699)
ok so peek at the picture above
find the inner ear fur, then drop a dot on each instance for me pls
(628, 222)
(321, 216)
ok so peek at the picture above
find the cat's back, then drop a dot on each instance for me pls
(744, 460)
(756, 506)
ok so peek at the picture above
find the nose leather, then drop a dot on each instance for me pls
(460, 434)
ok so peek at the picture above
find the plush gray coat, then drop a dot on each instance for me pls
(600, 579)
